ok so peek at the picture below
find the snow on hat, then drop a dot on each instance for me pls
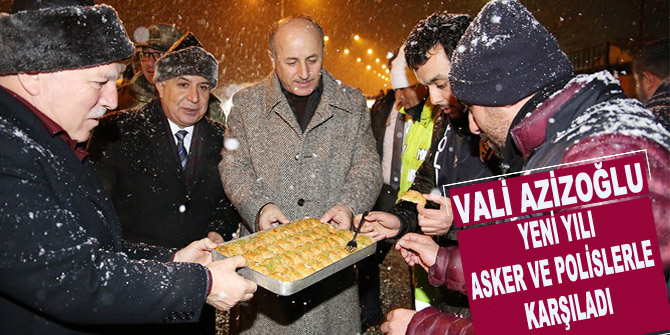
(504, 56)
(55, 35)
(401, 75)
(187, 58)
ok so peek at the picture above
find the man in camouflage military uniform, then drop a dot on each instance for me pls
(141, 89)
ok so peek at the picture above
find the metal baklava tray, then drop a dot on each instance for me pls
(288, 288)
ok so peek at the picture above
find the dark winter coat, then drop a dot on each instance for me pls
(589, 117)
(159, 203)
(379, 118)
(63, 266)
(453, 158)
(659, 104)
(379, 114)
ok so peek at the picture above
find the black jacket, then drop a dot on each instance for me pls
(590, 117)
(63, 266)
(379, 114)
(158, 203)
(458, 160)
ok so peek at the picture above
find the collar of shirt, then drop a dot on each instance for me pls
(415, 111)
(53, 128)
(174, 128)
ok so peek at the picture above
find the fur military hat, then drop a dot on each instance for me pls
(187, 57)
(504, 56)
(55, 35)
(161, 36)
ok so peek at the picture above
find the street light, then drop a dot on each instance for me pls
(356, 37)
(358, 59)
(346, 51)
(369, 51)
(325, 38)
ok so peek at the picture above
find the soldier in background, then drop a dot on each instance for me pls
(141, 89)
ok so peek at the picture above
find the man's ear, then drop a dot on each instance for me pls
(272, 58)
(472, 123)
(649, 83)
(30, 83)
(159, 88)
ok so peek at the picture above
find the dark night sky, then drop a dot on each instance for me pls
(236, 31)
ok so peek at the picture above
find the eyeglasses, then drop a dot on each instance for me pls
(144, 56)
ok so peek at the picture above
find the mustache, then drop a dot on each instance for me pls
(312, 76)
(97, 112)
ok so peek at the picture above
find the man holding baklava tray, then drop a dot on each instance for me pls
(300, 144)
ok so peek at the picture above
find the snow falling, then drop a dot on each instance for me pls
(237, 36)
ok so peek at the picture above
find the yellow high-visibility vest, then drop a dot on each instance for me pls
(416, 145)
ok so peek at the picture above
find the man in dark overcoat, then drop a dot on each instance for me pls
(151, 170)
(64, 268)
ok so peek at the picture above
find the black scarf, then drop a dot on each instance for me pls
(303, 107)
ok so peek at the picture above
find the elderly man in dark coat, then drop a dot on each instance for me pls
(304, 147)
(136, 154)
(65, 268)
(151, 170)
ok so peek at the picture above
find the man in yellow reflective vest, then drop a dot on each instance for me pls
(420, 117)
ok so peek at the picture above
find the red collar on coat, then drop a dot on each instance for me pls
(51, 127)
(530, 133)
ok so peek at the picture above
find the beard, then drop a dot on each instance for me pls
(496, 129)
(458, 118)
